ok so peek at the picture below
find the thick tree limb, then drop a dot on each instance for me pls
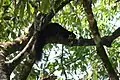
(4, 71)
(97, 39)
(106, 40)
(16, 45)
(48, 17)
(25, 67)
(13, 46)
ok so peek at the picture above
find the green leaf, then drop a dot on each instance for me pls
(45, 6)
(22, 7)
(95, 74)
(1, 3)
(30, 9)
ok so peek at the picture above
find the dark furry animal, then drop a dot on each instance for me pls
(51, 30)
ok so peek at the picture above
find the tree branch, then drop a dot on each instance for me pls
(13, 46)
(23, 51)
(106, 40)
(97, 39)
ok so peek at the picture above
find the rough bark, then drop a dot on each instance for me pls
(97, 39)
(4, 72)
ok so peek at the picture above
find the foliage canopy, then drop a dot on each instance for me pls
(65, 62)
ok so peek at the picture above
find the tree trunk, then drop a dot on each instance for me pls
(4, 71)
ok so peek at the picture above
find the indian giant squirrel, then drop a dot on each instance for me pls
(51, 30)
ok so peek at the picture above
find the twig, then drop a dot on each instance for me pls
(22, 52)
(63, 68)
